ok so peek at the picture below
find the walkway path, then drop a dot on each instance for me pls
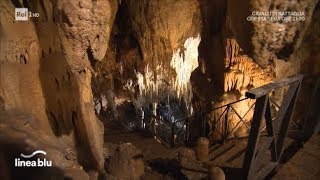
(304, 165)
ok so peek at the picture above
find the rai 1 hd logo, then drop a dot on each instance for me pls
(23, 14)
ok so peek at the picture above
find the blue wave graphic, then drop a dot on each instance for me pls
(33, 154)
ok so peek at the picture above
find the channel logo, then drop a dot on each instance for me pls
(32, 163)
(23, 14)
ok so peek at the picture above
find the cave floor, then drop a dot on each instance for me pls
(116, 134)
(298, 163)
(305, 164)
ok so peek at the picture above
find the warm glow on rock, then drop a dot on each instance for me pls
(242, 70)
(241, 74)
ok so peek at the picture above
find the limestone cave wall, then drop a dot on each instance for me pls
(46, 70)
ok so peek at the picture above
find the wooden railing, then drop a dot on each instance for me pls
(312, 116)
(253, 165)
(274, 129)
(221, 125)
(172, 134)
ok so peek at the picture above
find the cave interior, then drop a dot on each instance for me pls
(160, 89)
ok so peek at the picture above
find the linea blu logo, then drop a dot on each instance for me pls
(32, 163)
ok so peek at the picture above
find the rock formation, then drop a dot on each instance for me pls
(52, 82)
(127, 162)
(263, 39)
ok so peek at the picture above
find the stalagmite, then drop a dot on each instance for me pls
(202, 149)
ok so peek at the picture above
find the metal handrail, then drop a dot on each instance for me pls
(211, 109)
(219, 107)
(224, 131)
(227, 107)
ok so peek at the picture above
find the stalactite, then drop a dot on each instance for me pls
(152, 82)
(241, 73)
(241, 69)
(232, 51)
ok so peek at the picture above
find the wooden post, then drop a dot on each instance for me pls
(249, 158)
(254, 153)
(186, 138)
(293, 92)
(271, 133)
(173, 136)
(312, 123)
(226, 127)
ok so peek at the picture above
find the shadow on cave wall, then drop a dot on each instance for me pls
(63, 107)
(211, 57)
(212, 45)
(61, 93)
(60, 89)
